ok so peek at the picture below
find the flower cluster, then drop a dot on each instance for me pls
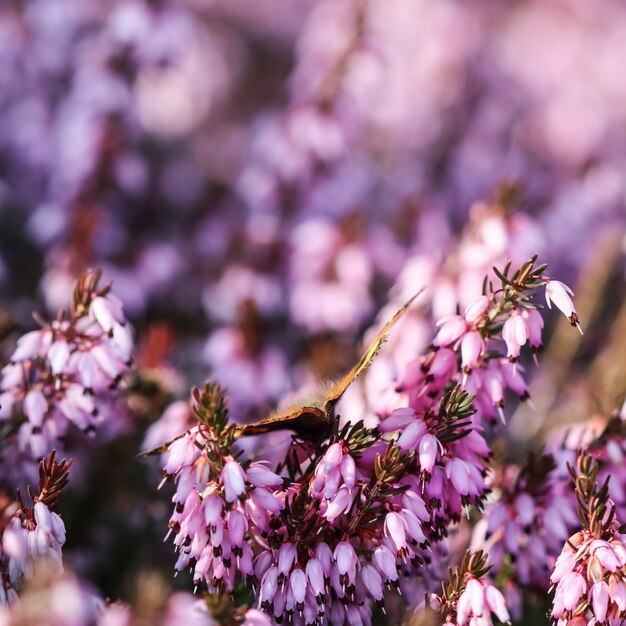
(450, 459)
(218, 500)
(358, 510)
(589, 577)
(36, 533)
(524, 525)
(467, 598)
(446, 429)
(609, 449)
(236, 520)
(66, 372)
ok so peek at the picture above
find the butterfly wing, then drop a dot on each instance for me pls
(312, 422)
(307, 422)
(338, 389)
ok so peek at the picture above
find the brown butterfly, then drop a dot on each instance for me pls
(312, 420)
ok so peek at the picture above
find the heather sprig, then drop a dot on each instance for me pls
(589, 577)
(34, 533)
(524, 524)
(68, 372)
(338, 521)
(467, 597)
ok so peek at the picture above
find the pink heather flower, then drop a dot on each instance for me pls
(617, 593)
(458, 473)
(335, 476)
(605, 554)
(451, 329)
(496, 603)
(534, 324)
(515, 334)
(513, 379)
(395, 530)
(573, 586)
(35, 407)
(260, 476)
(478, 600)
(184, 608)
(31, 345)
(287, 554)
(525, 508)
(346, 560)
(315, 577)
(385, 561)
(600, 600)
(411, 435)
(58, 355)
(341, 502)
(472, 349)
(565, 562)
(233, 479)
(443, 365)
(26, 541)
(372, 580)
(428, 449)
(66, 373)
(475, 310)
(398, 420)
(559, 294)
(269, 586)
(115, 615)
(414, 502)
(332, 458)
(107, 312)
(298, 586)
(348, 471)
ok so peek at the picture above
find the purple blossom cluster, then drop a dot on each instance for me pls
(467, 598)
(302, 200)
(531, 513)
(66, 373)
(33, 535)
(588, 577)
(322, 538)
(258, 181)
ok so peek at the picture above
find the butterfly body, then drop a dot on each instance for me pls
(313, 419)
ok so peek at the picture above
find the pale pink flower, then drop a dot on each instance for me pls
(474, 311)
(573, 585)
(472, 349)
(477, 601)
(600, 600)
(515, 335)
(428, 450)
(451, 329)
(534, 324)
(559, 294)
(233, 479)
